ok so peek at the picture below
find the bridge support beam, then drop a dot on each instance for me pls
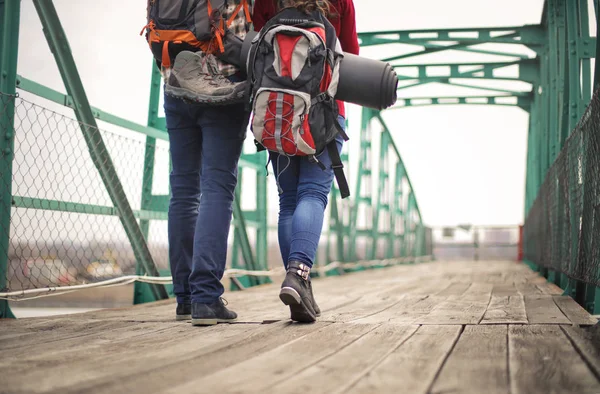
(57, 41)
(10, 11)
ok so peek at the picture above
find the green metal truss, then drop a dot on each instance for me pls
(396, 228)
(559, 76)
(9, 39)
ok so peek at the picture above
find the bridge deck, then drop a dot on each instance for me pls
(436, 327)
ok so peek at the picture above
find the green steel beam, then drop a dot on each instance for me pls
(58, 43)
(527, 70)
(458, 46)
(467, 48)
(241, 235)
(597, 64)
(10, 11)
(67, 101)
(89, 209)
(486, 88)
(526, 35)
(522, 101)
(395, 148)
(141, 291)
(364, 175)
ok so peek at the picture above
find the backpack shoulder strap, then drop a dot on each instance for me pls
(338, 169)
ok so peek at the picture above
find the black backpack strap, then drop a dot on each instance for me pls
(341, 130)
(338, 169)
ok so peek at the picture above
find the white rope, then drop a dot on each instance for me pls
(29, 294)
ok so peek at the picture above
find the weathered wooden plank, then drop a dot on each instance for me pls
(504, 310)
(467, 308)
(505, 290)
(57, 330)
(587, 342)
(407, 310)
(257, 374)
(410, 368)
(573, 311)
(528, 289)
(542, 310)
(454, 289)
(337, 370)
(549, 288)
(542, 360)
(477, 364)
(180, 361)
(143, 349)
(157, 364)
(365, 306)
(98, 336)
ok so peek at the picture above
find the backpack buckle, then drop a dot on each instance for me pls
(323, 97)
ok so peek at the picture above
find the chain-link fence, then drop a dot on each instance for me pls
(562, 230)
(64, 229)
(63, 225)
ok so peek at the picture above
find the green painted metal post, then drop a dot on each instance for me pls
(142, 292)
(262, 230)
(382, 176)
(9, 46)
(59, 45)
(597, 65)
(364, 175)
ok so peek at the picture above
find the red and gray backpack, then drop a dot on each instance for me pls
(293, 70)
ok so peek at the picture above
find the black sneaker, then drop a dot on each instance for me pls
(211, 314)
(295, 292)
(183, 312)
(314, 302)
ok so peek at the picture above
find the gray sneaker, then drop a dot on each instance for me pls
(195, 76)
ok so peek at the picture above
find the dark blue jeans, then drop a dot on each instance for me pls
(303, 194)
(206, 143)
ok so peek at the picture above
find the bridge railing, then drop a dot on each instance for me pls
(84, 201)
(562, 229)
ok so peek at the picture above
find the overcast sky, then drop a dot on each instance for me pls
(467, 163)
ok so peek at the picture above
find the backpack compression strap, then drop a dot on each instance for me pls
(338, 169)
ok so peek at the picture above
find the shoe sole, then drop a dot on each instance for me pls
(210, 322)
(182, 93)
(183, 317)
(299, 311)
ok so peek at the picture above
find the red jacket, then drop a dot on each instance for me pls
(344, 23)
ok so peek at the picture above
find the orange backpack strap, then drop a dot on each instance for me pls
(243, 3)
(219, 33)
(166, 59)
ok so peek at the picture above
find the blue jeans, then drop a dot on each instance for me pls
(206, 143)
(303, 194)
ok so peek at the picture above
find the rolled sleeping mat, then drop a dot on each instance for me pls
(366, 82)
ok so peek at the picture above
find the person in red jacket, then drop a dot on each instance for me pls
(303, 186)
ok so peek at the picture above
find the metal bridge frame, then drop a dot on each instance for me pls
(559, 75)
(395, 231)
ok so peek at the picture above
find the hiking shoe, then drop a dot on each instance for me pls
(295, 292)
(183, 312)
(314, 302)
(211, 314)
(196, 76)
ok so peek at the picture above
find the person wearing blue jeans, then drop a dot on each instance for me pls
(206, 144)
(303, 195)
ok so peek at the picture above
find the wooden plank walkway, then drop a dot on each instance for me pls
(487, 327)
